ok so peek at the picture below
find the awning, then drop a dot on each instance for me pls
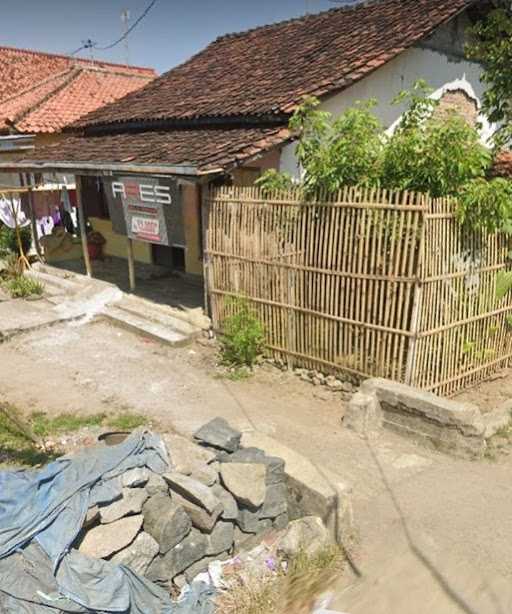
(181, 152)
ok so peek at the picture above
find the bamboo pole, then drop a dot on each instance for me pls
(131, 264)
(83, 233)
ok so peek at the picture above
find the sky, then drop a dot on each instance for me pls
(171, 32)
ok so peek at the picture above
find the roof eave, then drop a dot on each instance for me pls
(102, 168)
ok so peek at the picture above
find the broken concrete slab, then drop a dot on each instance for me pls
(450, 426)
(363, 415)
(219, 434)
(106, 539)
(246, 482)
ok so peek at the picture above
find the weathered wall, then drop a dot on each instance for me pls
(116, 244)
(444, 71)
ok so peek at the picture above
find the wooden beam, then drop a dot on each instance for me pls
(33, 225)
(81, 220)
(131, 263)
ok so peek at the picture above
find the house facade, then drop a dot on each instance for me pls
(222, 116)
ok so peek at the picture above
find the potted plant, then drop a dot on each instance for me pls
(95, 243)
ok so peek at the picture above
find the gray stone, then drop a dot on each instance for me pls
(166, 521)
(92, 517)
(230, 508)
(139, 554)
(135, 477)
(156, 485)
(200, 518)
(221, 538)
(181, 557)
(497, 419)
(275, 502)
(307, 534)
(275, 466)
(248, 521)
(281, 522)
(364, 415)
(310, 491)
(206, 474)
(218, 434)
(193, 491)
(104, 540)
(131, 503)
(186, 456)
(246, 482)
(333, 384)
(249, 541)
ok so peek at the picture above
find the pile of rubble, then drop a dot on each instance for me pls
(218, 499)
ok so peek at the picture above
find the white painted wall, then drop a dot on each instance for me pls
(442, 73)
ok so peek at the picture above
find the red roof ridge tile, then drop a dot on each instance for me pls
(74, 72)
(129, 67)
(37, 85)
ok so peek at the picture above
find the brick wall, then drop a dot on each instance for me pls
(459, 101)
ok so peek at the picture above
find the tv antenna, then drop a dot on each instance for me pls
(125, 18)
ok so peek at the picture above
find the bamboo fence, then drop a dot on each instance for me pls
(365, 282)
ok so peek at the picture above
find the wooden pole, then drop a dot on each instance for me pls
(131, 263)
(33, 225)
(83, 233)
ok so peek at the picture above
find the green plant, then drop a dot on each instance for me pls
(274, 181)
(44, 425)
(22, 286)
(490, 44)
(243, 337)
(503, 284)
(8, 241)
(486, 205)
(431, 154)
(127, 421)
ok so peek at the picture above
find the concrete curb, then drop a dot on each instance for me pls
(459, 429)
(311, 491)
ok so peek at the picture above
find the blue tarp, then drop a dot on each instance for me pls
(41, 514)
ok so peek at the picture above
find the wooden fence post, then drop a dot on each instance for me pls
(83, 233)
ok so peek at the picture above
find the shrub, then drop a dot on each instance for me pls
(243, 338)
(8, 242)
(22, 286)
(486, 205)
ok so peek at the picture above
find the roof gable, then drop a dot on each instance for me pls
(268, 70)
(41, 92)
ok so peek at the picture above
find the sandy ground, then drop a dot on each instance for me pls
(457, 509)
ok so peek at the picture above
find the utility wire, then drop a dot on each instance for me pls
(130, 29)
(89, 44)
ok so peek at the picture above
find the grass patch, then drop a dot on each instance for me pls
(22, 286)
(127, 421)
(16, 446)
(44, 425)
(294, 590)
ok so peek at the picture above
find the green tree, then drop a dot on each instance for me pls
(490, 43)
(429, 153)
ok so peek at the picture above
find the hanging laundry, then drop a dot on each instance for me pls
(10, 212)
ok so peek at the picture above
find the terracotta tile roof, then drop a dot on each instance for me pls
(206, 149)
(41, 92)
(268, 70)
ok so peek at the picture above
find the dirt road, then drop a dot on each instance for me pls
(458, 508)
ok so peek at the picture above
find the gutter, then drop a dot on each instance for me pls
(101, 169)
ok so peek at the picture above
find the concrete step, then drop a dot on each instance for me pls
(54, 284)
(192, 319)
(146, 327)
